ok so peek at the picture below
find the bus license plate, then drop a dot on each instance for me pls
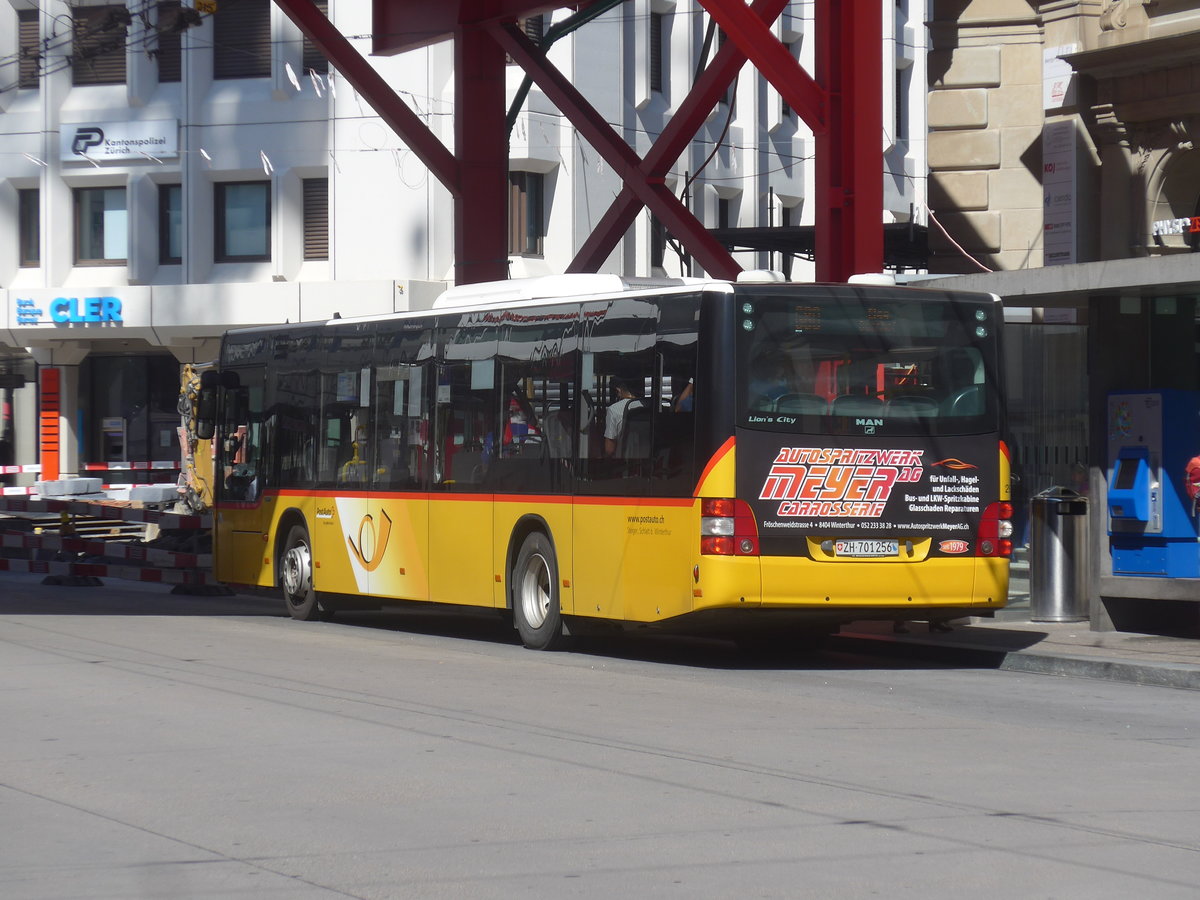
(866, 548)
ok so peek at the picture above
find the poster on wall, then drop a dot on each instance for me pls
(1058, 193)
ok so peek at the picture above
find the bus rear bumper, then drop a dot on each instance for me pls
(975, 583)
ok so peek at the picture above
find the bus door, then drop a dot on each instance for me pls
(399, 508)
(466, 419)
(241, 516)
(617, 555)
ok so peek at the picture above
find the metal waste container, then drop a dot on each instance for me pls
(1058, 555)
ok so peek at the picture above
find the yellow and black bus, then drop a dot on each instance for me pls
(738, 458)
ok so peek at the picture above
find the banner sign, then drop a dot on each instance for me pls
(838, 487)
(110, 141)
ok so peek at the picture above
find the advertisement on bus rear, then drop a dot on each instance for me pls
(856, 492)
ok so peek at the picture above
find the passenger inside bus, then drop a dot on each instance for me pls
(771, 379)
(617, 415)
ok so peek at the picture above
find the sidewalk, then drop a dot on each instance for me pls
(1011, 641)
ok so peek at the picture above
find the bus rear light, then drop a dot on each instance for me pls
(995, 531)
(727, 528)
(711, 507)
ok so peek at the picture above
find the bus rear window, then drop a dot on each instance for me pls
(888, 363)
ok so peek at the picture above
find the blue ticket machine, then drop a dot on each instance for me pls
(1151, 526)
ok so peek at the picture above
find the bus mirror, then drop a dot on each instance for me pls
(206, 412)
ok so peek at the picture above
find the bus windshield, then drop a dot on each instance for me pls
(892, 361)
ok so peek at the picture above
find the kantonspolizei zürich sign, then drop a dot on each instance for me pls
(70, 311)
(107, 141)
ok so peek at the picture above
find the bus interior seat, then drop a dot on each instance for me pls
(466, 467)
(805, 404)
(857, 405)
(910, 406)
(762, 403)
(967, 402)
(635, 432)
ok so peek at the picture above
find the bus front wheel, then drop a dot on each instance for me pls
(535, 598)
(295, 566)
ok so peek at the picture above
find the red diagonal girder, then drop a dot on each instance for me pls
(625, 162)
(753, 35)
(675, 136)
(385, 101)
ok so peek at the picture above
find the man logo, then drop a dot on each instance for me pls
(85, 138)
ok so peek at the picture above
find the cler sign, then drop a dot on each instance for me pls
(70, 311)
(65, 310)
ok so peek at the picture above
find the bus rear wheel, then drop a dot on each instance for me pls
(535, 597)
(295, 568)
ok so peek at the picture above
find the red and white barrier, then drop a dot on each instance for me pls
(104, 511)
(131, 466)
(112, 549)
(34, 468)
(96, 570)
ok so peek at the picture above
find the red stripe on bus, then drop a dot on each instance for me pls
(578, 500)
(716, 458)
(1007, 453)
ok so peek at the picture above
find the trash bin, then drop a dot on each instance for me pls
(1058, 552)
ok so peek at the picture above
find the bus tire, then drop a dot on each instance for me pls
(535, 594)
(295, 576)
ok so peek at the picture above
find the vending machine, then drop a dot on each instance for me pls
(1151, 522)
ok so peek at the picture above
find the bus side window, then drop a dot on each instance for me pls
(344, 456)
(466, 423)
(401, 441)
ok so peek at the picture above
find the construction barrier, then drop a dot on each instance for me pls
(131, 466)
(111, 549)
(95, 558)
(100, 570)
(103, 510)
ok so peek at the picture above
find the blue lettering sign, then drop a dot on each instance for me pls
(70, 310)
(27, 312)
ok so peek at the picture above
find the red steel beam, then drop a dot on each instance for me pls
(625, 162)
(481, 142)
(849, 165)
(371, 86)
(771, 58)
(676, 135)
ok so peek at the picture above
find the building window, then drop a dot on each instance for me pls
(656, 52)
(29, 217)
(786, 113)
(316, 218)
(29, 47)
(170, 224)
(526, 218)
(903, 82)
(98, 46)
(534, 28)
(101, 227)
(243, 221)
(312, 59)
(171, 25)
(658, 242)
(723, 212)
(242, 40)
(729, 98)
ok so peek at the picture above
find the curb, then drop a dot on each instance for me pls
(1036, 662)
